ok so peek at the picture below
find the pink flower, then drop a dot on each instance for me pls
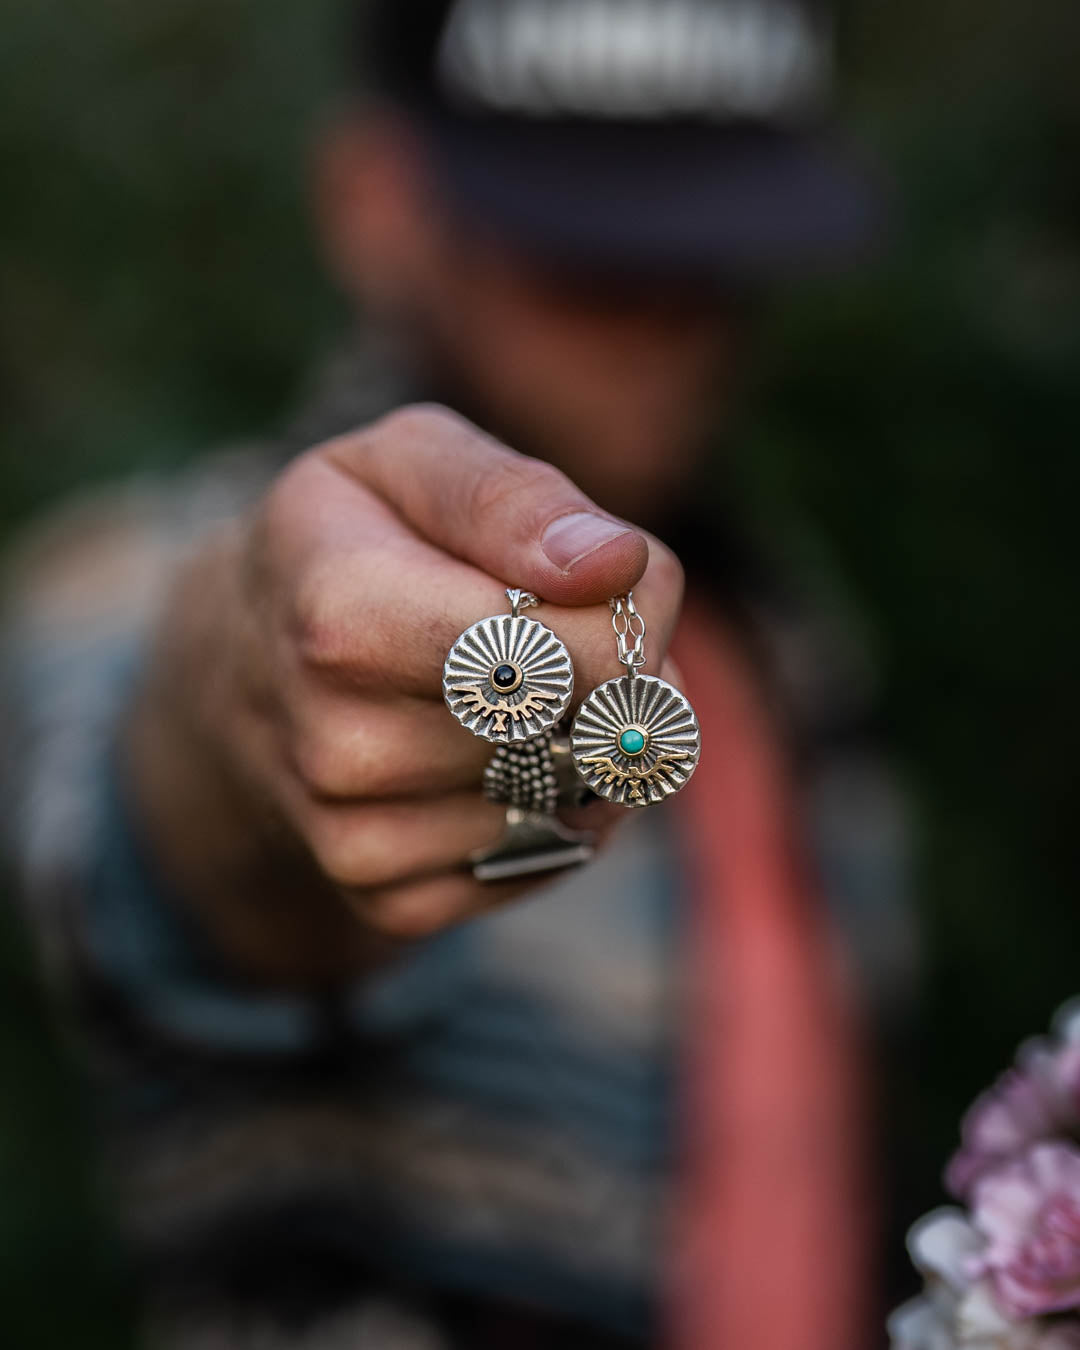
(957, 1309)
(1037, 1100)
(1028, 1211)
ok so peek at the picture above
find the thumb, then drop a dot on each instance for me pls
(519, 520)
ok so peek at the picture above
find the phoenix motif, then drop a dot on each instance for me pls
(529, 705)
(611, 774)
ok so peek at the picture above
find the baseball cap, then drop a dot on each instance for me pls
(668, 137)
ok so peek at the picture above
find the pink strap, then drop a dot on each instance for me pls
(773, 1239)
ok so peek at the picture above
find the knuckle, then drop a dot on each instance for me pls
(338, 758)
(351, 856)
(424, 421)
(324, 767)
(321, 634)
(301, 588)
(333, 860)
(372, 858)
(282, 502)
(408, 915)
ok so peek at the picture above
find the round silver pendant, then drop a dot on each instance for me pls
(508, 679)
(636, 741)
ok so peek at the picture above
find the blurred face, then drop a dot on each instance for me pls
(617, 385)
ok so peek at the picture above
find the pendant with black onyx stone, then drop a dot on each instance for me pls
(508, 679)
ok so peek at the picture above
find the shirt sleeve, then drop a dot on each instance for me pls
(83, 590)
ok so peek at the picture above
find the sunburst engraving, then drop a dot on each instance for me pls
(669, 728)
(476, 666)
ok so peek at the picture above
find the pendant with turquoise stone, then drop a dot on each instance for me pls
(635, 740)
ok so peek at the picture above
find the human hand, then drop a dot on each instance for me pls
(291, 747)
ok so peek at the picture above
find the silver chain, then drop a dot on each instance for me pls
(520, 600)
(629, 629)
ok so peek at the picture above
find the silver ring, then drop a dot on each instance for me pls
(523, 775)
(531, 844)
(538, 775)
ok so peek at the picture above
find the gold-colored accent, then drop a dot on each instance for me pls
(611, 774)
(529, 706)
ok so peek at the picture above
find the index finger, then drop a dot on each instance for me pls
(508, 515)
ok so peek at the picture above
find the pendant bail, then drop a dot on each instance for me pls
(629, 629)
(520, 600)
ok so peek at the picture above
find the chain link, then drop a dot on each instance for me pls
(520, 600)
(629, 629)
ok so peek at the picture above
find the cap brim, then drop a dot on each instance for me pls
(741, 202)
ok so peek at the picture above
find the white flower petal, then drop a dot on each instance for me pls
(979, 1319)
(916, 1326)
(943, 1244)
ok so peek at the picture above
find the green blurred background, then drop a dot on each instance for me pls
(159, 294)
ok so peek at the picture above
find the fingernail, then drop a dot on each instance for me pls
(571, 538)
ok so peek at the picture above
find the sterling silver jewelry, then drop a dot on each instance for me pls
(636, 739)
(524, 776)
(508, 678)
(531, 843)
(532, 779)
(536, 776)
